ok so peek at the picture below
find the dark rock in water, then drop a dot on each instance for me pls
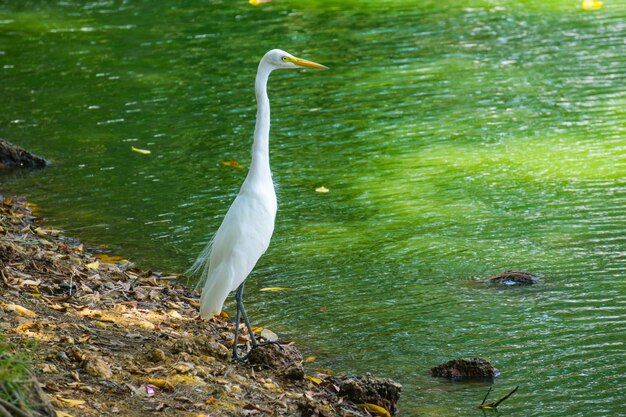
(12, 156)
(370, 389)
(285, 359)
(514, 278)
(465, 368)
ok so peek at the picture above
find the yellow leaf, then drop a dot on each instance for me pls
(41, 232)
(161, 383)
(314, 380)
(233, 164)
(310, 359)
(20, 310)
(63, 414)
(376, 409)
(70, 401)
(592, 4)
(257, 2)
(274, 289)
(322, 189)
(111, 259)
(141, 151)
(93, 265)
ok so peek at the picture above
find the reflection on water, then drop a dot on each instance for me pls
(457, 140)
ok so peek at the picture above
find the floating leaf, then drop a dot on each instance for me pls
(592, 4)
(322, 189)
(233, 163)
(141, 151)
(111, 259)
(274, 289)
(70, 401)
(310, 359)
(376, 409)
(314, 380)
(93, 265)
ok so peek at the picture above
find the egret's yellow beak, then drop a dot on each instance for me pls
(307, 64)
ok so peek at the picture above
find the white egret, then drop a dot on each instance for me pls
(247, 228)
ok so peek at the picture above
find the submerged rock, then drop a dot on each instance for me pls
(465, 368)
(514, 278)
(373, 390)
(13, 156)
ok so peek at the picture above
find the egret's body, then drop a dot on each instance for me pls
(247, 228)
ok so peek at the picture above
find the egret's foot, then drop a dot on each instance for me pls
(243, 359)
(269, 342)
(239, 359)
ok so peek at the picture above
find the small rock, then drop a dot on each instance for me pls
(49, 368)
(514, 278)
(285, 359)
(269, 335)
(201, 345)
(157, 355)
(465, 368)
(98, 367)
(14, 156)
(184, 367)
(373, 390)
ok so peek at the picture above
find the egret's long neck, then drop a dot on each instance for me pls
(260, 164)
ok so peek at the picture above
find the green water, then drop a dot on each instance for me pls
(457, 139)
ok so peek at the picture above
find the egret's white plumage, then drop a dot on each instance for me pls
(247, 228)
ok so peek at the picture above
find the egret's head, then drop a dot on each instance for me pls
(278, 59)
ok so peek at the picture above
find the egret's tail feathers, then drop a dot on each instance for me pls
(214, 293)
(201, 265)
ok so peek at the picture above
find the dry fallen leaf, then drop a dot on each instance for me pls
(314, 380)
(375, 409)
(161, 383)
(310, 359)
(141, 151)
(322, 189)
(70, 401)
(63, 414)
(20, 310)
(93, 265)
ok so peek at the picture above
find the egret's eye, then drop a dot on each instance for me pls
(284, 59)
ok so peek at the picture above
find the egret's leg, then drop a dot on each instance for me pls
(236, 356)
(241, 311)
